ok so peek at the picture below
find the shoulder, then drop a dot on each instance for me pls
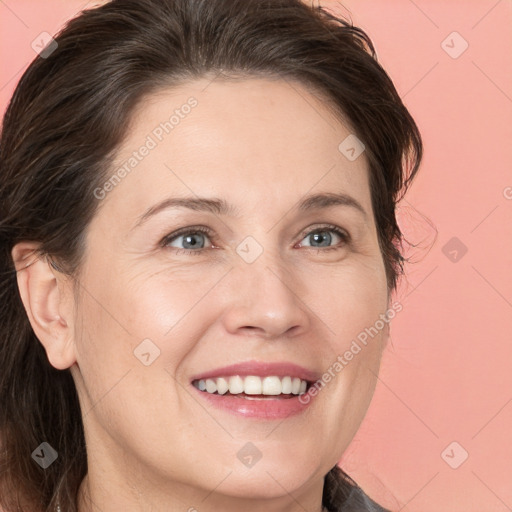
(359, 501)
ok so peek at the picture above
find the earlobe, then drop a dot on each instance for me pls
(46, 304)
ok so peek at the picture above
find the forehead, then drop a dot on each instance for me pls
(266, 139)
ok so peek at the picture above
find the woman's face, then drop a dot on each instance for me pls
(270, 281)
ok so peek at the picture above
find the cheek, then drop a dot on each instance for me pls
(166, 304)
(163, 313)
(349, 300)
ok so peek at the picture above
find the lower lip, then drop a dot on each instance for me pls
(268, 409)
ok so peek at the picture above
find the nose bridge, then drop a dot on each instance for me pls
(264, 294)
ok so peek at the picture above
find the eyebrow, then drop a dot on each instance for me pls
(221, 207)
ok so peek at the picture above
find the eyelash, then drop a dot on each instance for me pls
(206, 231)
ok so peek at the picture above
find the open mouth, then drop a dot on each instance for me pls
(265, 398)
(252, 387)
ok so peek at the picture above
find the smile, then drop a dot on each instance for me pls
(253, 385)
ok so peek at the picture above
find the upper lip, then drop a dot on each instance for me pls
(260, 369)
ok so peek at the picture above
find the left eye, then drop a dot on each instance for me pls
(323, 237)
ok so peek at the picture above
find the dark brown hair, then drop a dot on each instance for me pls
(69, 114)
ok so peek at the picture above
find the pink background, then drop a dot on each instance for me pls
(446, 376)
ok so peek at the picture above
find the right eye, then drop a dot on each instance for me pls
(193, 239)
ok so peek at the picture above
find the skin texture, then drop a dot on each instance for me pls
(261, 145)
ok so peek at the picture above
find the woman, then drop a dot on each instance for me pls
(197, 230)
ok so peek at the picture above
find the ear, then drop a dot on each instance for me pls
(48, 301)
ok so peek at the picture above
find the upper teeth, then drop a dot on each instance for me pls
(253, 385)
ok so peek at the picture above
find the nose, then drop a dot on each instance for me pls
(265, 299)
